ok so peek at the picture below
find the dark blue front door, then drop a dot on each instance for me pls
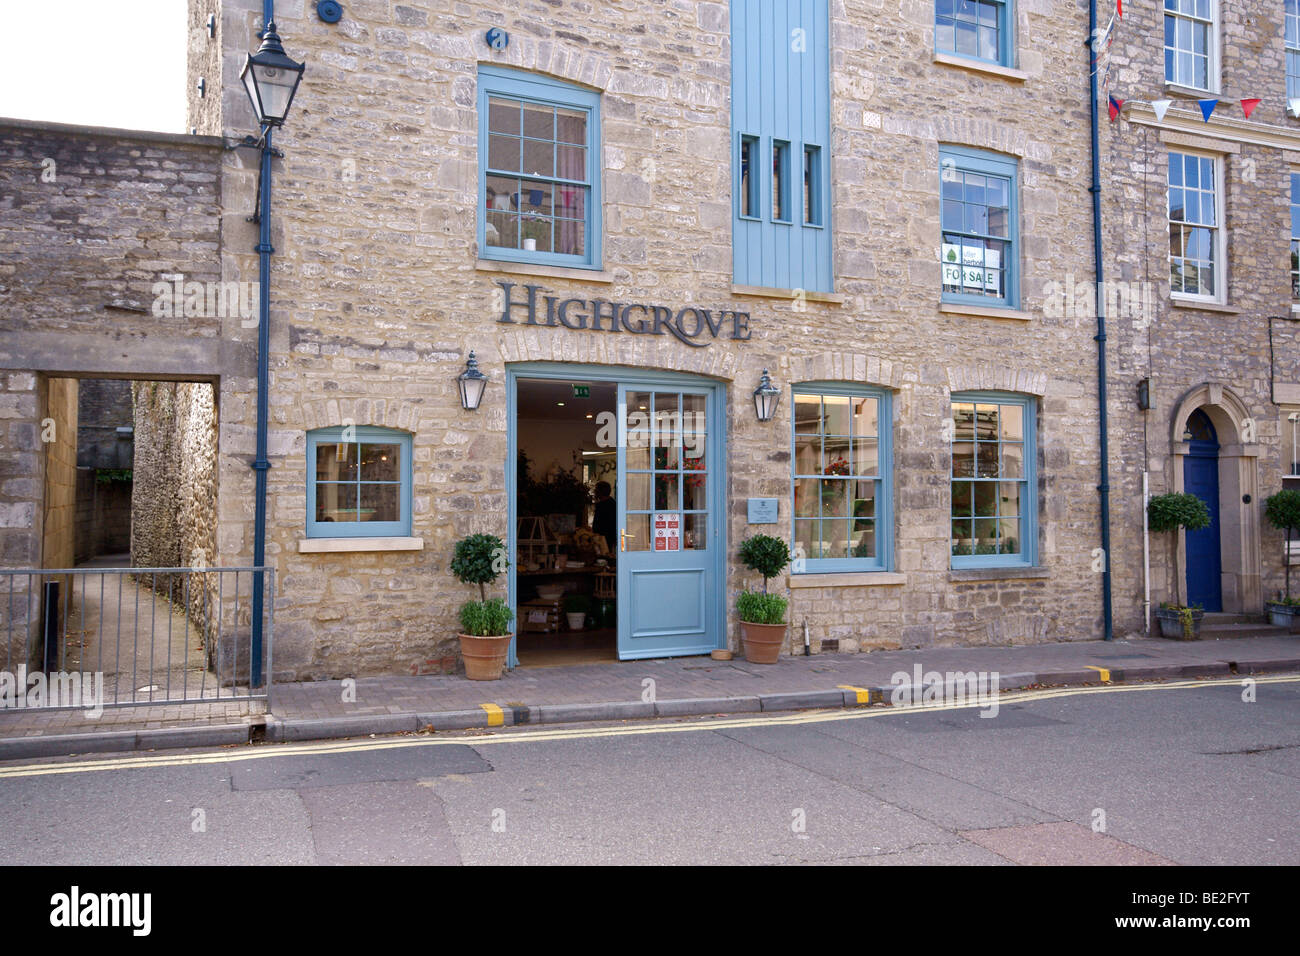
(1201, 478)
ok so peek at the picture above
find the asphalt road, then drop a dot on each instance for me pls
(1146, 774)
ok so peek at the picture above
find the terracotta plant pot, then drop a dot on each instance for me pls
(485, 657)
(763, 642)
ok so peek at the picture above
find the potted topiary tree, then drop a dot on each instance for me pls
(1282, 511)
(1169, 512)
(762, 615)
(485, 623)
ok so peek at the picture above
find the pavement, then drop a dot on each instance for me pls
(626, 690)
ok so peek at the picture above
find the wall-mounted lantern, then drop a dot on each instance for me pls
(271, 78)
(766, 397)
(472, 384)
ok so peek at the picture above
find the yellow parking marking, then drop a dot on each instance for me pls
(1102, 672)
(496, 716)
(864, 693)
(515, 736)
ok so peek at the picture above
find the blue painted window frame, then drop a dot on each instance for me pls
(360, 529)
(814, 186)
(515, 84)
(964, 159)
(884, 519)
(749, 186)
(781, 183)
(1006, 34)
(1028, 524)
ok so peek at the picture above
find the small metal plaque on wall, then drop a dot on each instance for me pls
(763, 511)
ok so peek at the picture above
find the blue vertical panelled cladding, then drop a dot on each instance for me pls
(780, 93)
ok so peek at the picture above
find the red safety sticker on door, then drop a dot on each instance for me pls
(668, 531)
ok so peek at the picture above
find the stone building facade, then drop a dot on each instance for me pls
(381, 288)
(1230, 353)
(386, 275)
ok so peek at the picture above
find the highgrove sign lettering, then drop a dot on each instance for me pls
(695, 326)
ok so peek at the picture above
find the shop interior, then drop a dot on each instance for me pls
(566, 534)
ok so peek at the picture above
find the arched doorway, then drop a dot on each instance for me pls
(1201, 478)
(1214, 455)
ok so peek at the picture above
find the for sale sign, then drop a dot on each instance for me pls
(668, 531)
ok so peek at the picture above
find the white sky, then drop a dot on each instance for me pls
(95, 62)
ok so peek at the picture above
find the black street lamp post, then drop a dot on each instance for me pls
(271, 79)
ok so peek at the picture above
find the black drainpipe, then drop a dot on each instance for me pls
(1103, 489)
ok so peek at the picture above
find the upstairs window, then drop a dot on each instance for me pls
(1195, 238)
(1189, 43)
(539, 179)
(979, 248)
(1291, 16)
(979, 29)
(1295, 237)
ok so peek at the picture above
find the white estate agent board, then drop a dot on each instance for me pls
(971, 266)
(668, 531)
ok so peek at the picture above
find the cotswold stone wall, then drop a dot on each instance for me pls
(174, 492)
(1220, 357)
(22, 494)
(379, 296)
(93, 219)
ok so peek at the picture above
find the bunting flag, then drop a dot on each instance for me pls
(1119, 8)
(1207, 107)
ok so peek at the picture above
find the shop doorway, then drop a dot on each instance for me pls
(617, 536)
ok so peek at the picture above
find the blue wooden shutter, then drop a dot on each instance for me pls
(780, 94)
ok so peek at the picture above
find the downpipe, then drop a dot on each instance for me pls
(1103, 488)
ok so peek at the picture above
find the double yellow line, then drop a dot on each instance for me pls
(521, 736)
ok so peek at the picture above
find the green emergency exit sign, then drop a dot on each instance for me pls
(582, 391)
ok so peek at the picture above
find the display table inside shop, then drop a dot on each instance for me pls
(542, 595)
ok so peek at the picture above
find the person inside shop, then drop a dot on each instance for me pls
(604, 518)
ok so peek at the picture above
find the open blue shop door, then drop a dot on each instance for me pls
(670, 478)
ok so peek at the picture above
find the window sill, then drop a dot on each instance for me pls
(549, 272)
(348, 545)
(863, 579)
(981, 66)
(1180, 302)
(984, 311)
(833, 298)
(994, 574)
(1189, 92)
